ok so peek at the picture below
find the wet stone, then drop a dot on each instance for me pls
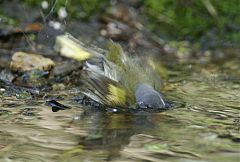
(56, 106)
(22, 62)
(6, 75)
(66, 68)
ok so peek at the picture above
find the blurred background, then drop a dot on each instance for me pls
(205, 23)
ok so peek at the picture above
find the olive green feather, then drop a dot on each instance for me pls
(132, 70)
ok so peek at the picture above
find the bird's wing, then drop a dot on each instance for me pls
(105, 90)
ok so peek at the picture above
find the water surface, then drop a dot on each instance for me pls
(204, 129)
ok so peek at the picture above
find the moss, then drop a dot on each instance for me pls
(23, 95)
(7, 20)
(190, 19)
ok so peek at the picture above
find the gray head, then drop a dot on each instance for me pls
(147, 97)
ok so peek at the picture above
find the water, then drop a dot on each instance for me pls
(205, 129)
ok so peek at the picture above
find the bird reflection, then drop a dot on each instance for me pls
(112, 131)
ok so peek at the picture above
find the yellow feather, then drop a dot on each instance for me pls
(117, 95)
(69, 47)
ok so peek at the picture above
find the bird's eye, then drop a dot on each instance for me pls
(142, 105)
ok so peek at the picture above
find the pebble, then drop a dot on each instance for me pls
(2, 90)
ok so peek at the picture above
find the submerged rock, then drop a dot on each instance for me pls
(22, 62)
(56, 106)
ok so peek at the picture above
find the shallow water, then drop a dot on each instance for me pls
(205, 129)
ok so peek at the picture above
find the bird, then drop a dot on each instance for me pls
(114, 78)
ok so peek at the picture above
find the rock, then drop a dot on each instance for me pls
(6, 75)
(67, 67)
(5, 57)
(117, 31)
(23, 62)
